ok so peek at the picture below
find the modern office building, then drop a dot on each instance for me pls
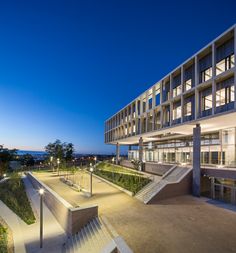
(188, 118)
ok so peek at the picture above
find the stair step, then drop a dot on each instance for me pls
(92, 238)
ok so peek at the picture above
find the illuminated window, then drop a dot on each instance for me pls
(188, 109)
(177, 91)
(207, 102)
(224, 96)
(225, 64)
(220, 97)
(134, 128)
(188, 84)
(177, 113)
(206, 74)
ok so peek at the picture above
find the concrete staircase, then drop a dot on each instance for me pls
(145, 190)
(173, 176)
(93, 238)
(98, 236)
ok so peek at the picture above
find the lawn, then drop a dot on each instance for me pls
(3, 239)
(127, 179)
(12, 193)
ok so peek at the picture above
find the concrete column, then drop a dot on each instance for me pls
(117, 153)
(182, 97)
(196, 84)
(197, 160)
(213, 188)
(141, 149)
(153, 97)
(171, 113)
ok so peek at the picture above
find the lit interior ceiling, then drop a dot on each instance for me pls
(210, 124)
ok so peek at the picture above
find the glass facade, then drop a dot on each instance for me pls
(217, 148)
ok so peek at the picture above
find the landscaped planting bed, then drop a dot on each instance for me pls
(12, 193)
(119, 169)
(130, 182)
(3, 239)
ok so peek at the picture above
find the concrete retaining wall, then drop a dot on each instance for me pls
(174, 189)
(220, 173)
(70, 218)
(157, 168)
(127, 163)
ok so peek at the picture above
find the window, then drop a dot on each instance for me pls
(144, 105)
(207, 102)
(150, 101)
(188, 109)
(177, 91)
(188, 84)
(134, 128)
(220, 97)
(206, 74)
(224, 96)
(177, 113)
(134, 110)
(158, 95)
(225, 64)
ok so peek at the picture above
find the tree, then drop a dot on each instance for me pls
(59, 150)
(69, 150)
(6, 155)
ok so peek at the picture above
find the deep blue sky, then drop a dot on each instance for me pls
(66, 66)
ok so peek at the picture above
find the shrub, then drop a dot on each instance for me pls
(129, 182)
(12, 193)
(3, 239)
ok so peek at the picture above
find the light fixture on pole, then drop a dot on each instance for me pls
(95, 160)
(91, 179)
(41, 193)
(58, 163)
(51, 159)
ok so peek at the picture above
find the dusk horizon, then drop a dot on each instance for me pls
(64, 72)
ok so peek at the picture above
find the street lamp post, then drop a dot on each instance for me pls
(95, 160)
(41, 192)
(51, 159)
(58, 163)
(91, 179)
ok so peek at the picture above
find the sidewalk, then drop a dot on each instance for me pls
(13, 222)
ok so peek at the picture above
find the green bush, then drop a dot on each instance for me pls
(12, 193)
(129, 182)
(3, 239)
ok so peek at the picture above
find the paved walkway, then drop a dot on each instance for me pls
(26, 237)
(184, 224)
(13, 222)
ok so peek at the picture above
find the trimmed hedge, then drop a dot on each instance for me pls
(129, 182)
(12, 193)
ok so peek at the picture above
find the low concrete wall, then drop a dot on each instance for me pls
(174, 189)
(70, 218)
(127, 163)
(220, 173)
(157, 168)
